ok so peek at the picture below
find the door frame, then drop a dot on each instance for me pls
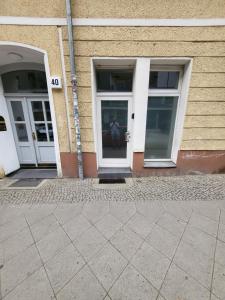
(26, 99)
(30, 141)
(113, 162)
(46, 144)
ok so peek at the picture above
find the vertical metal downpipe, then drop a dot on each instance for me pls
(74, 89)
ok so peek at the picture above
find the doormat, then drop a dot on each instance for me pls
(26, 183)
(111, 180)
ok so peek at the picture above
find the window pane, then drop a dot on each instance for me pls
(50, 133)
(24, 81)
(37, 111)
(17, 109)
(114, 80)
(160, 124)
(114, 127)
(41, 132)
(47, 109)
(163, 80)
(21, 132)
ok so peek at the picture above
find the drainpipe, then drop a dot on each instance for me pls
(74, 89)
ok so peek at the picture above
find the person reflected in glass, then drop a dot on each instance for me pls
(115, 133)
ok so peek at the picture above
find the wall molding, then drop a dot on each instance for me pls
(115, 22)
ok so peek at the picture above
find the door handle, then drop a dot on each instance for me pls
(33, 136)
(127, 136)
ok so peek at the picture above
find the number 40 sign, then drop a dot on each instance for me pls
(55, 82)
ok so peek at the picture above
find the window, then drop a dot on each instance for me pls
(2, 124)
(114, 80)
(163, 97)
(24, 81)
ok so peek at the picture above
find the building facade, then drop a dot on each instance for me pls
(151, 86)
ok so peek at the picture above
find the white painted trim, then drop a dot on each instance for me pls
(148, 22)
(140, 88)
(113, 22)
(11, 20)
(65, 88)
(182, 109)
(53, 115)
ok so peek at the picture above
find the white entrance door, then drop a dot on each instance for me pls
(42, 132)
(32, 127)
(114, 131)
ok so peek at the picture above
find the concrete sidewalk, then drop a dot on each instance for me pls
(115, 249)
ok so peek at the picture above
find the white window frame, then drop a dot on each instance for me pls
(168, 162)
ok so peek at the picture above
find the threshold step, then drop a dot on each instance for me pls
(108, 173)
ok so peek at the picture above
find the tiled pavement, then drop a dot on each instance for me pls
(118, 250)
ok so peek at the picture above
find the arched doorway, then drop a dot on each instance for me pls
(29, 108)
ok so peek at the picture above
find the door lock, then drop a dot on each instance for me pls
(127, 136)
(33, 136)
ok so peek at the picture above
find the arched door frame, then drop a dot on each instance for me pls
(50, 95)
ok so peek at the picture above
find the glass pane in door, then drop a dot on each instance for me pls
(17, 110)
(21, 131)
(114, 128)
(37, 109)
(41, 132)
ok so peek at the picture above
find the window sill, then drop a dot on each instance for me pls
(159, 164)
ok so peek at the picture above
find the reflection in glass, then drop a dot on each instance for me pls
(21, 132)
(160, 124)
(50, 133)
(114, 127)
(17, 109)
(41, 132)
(47, 109)
(164, 80)
(114, 80)
(37, 110)
(28, 81)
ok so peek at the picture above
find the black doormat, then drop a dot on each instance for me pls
(26, 183)
(112, 180)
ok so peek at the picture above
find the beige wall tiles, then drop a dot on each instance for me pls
(149, 9)
(84, 95)
(100, 33)
(86, 122)
(132, 48)
(88, 147)
(209, 64)
(206, 94)
(203, 145)
(83, 79)
(208, 80)
(85, 109)
(204, 121)
(87, 135)
(206, 108)
(203, 134)
(83, 64)
(34, 8)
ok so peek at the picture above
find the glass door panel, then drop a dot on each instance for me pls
(114, 128)
(160, 125)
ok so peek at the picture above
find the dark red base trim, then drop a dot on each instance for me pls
(69, 164)
(188, 162)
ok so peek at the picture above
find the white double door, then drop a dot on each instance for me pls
(114, 131)
(32, 128)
